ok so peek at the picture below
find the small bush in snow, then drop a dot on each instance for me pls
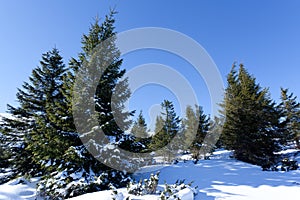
(288, 165)
(66, 184)
(148, 186)
(170, 192)
(115, 195)
(284, 165)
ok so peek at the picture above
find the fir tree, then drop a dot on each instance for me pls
(27, 128)
(3, 153)
(167, 126)
(251, 126)
(216, 127)
(95, 103)
(196, 128)
(139, 130)
(48, 140)
(102, 57)
(291, 111)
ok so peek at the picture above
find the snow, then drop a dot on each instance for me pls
(185, 194)
(6, 115)
(19, 189)
(221, 177)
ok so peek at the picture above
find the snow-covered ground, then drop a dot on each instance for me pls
(18, 189)
(218, 178)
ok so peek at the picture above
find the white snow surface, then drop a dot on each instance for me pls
(219, 178)
(19, 189)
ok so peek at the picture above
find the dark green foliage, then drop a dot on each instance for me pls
(4, 156)
(291, 112)
(99, 56)
(252, 126)
(288, 164)
(49, 140)
(216, 127)
(166, 128)
(41, 137)
(196, 127)
(139, 130)
(33, 136)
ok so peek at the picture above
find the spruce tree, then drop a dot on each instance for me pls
(3, 153)
(49, 140)
(291, 111)
(139, 130)
(29, 130)
(252, 125)
(167, 126)
(196, 128)
(216, 127)
(85, 91)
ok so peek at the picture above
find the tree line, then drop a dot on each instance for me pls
(41, 139)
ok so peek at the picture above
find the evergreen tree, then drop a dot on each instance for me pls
(291, 111)
(139, 130)
(48, 140)
(252, 127)
(196, 128)
(160, 139)
(29, 130)
(3, 153)
(216, 127)
(101, 56)
(190, 124)
(167, 126)
(95, 103)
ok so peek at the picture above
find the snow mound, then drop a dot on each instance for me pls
(19, 189)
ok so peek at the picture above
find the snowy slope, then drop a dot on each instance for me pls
(223, 178)
(18, 189)
(218, 178)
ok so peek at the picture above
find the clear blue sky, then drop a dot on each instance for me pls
(264, 35)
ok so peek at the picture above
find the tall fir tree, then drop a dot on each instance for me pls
(33, 137)
(291, 111)
(49, 139)
(252, 125)
(86, 91)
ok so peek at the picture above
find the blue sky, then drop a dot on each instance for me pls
(264, 35)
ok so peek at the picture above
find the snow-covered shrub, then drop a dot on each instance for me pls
(169, 192)
(148, 186)
(115, 195)
(62, 185)
(285, 164)
(288, 165)
(172, 192)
